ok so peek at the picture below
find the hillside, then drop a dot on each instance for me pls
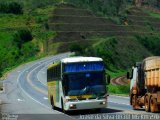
(118, 32)
(119, 44)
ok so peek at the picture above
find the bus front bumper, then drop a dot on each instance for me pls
(85, 104)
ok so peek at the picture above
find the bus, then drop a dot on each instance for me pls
(77, 83)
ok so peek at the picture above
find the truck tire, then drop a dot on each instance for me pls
(147, 106)
(153, 105)
(134, 102)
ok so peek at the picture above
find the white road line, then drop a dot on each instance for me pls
(119, 96)
(32, 84)
(20, 100)
(45, 98)
(118, 103)
(26, 92)
(18, 79)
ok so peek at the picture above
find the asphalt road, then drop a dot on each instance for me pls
(25, 95)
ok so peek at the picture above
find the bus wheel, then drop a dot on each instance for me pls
(147, 106)
(153, 105)
(134, 102)
(52, 102)
(98, 110)
(62, 106)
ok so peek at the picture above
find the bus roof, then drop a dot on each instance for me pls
(81, 59)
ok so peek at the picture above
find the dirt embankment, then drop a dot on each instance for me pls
(119, 81)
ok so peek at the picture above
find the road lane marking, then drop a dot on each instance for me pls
(119, 96)
(25, 91)
(118, 103)
(45, 98)
(20, 100)
(32, 85)
(18, 79)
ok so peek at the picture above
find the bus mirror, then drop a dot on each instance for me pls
(128, 76)
(108, 79)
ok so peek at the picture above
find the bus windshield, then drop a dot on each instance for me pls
(85, 83)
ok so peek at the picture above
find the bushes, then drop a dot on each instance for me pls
(119, 89)
(151, 42)
(21, 37)
(28, 50)
(76, 48)
(13, 7)
(18, 50)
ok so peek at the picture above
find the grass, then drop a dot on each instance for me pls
(5, 38)
(151, 13)
(116, 73)
(8, 26)
(9, 69)
(122, 90)
(119, 89)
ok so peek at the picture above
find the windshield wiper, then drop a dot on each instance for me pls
(83, 91)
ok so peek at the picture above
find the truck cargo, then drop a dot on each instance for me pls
(145, 84)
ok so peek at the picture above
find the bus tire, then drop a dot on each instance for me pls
(52, 102)
(147, 106)
(98, 110)
(62, 106)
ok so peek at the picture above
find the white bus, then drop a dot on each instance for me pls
(78, 83)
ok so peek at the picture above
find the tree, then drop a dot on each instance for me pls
(15, 8)
(137, 3)
(21, 37)
(158, 3)
(12, 7)
(76, 48)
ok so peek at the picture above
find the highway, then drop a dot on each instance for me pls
(25, 94)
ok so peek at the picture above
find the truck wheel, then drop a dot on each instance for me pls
(147, 106)
(153, 105)
(134, 102)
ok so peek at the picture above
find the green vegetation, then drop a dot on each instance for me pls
(117, 55)
(116, 73)
(22, 36)
(119, 89)
(152, 43)
(152, 14)
(12, 7)
(29, 30)
(102, 7)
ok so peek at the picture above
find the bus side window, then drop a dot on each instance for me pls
(57, 72)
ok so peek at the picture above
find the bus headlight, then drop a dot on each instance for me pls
(103, 103)
(72, 106)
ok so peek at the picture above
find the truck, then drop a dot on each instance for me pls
(145, 85)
